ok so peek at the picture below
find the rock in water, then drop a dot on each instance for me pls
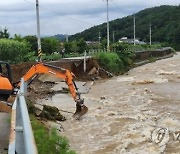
(51, 113)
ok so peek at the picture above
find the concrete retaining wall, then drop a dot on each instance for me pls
(145, 55)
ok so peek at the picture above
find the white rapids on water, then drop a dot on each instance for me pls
(136, 113)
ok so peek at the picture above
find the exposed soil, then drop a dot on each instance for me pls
(75, 66)
(19, 70)
(43, 91)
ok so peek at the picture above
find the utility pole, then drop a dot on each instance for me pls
(99, 37)
(113, 37)
(38, 32)
(107, 25)
(134, 30)
(150, 34)
(67, 38)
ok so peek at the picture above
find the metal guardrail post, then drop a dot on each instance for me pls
(85, 61)
(21, 137)
(11, 149)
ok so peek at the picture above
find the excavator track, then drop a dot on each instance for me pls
(6, 104)
(4, 107)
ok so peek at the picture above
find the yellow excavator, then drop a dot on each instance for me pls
(7, 87)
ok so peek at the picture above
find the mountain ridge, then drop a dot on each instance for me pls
(165, 23)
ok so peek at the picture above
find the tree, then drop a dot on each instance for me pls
(18, 38)
(68, 46)
(104, 43)
(4, 33)
(13, 51)
(32, 40)
(82, 46)
(50, 45)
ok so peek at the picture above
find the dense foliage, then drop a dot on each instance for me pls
(165, 22)
(13, 51)
(50, 45)
(76, 46)
(32, 40)
(116, 63)
(20, 49)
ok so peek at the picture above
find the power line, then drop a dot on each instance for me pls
(58, 13)
(116, 5)
(29, 2)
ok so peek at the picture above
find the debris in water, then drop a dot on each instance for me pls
(103, 98)
(143, 82)
(162, 72)
(51, 113)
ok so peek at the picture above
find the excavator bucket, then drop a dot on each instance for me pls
(81, 109)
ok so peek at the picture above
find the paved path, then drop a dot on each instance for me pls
(4, 132)
(77, 58)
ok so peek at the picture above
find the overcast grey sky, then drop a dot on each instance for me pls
(67, 16)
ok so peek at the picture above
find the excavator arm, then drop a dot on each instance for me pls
(41, 68)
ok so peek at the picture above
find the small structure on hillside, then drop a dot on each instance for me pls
(130, 41)
(92, 43)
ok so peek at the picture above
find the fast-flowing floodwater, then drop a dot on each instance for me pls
(136, 113)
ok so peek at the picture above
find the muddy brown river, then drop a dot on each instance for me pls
(136, 113)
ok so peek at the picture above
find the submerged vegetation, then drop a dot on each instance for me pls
(49, 141)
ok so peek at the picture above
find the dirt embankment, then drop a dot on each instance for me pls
(76, 67)
(40, 90)
(19, 70)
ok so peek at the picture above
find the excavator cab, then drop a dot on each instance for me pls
(6, 87)
(5, 70)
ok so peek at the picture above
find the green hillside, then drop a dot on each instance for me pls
(165, 21)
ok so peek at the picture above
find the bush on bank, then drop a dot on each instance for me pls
(116, 63)
(49, 141)
(110, 61)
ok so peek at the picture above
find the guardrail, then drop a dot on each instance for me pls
(21, 134)
(135, 49)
